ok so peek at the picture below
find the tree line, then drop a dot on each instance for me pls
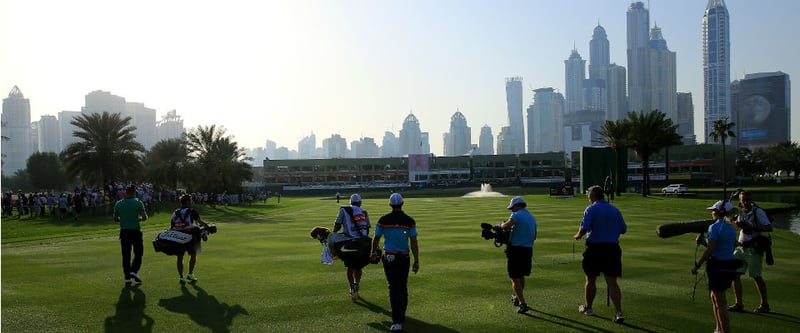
(205, 159)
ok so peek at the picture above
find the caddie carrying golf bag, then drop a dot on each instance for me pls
(175, 242)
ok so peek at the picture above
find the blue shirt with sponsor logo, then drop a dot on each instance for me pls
(396, 228)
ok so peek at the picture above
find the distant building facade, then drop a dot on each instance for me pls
(638, 37)
(663, 76)
(48, 136)
(458, 141)
(685, 118)
(761, 107)
(547, 112)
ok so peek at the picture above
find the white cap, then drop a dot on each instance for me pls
(515, 201)
(355, 198)
(395, 199)
(722, 206)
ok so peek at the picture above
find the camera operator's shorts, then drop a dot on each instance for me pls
(519, 261)
(603, 258)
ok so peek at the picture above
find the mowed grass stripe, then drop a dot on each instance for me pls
(262, 273)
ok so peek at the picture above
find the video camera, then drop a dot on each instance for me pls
(496, 233)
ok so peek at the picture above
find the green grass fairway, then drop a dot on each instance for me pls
(262, 273)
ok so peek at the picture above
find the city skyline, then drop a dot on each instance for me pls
(282, 70)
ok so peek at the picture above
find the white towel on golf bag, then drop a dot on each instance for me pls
(327, 258)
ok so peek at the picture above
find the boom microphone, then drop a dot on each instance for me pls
(679, 228)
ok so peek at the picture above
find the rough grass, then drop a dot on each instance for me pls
(261, 273)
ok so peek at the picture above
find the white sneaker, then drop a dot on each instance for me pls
(585, 310)
(396, 328)
(136, 277)
(619, 318)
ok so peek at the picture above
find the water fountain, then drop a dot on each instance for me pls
(485, 192)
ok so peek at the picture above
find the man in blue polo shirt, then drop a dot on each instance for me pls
(604, 224)
(400, 231)
(520, 249)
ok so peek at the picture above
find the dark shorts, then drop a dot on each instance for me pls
(519, 261)
(720, 281)
(605, 258)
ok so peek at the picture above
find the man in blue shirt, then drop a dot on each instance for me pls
(604, 224)
(400, 231)
(520, 249)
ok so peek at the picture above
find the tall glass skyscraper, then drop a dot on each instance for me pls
(574, 75)
(638, 68)
(547, 112)
(459, 140)
(716, 64)
(663, 77)
(599, 57)
(514, 105)
(17, 128)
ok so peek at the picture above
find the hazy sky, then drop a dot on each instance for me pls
(281, 70)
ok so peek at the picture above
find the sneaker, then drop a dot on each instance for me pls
(181, 280)
(191, 277)
(396, 328)
(585, 310)
(738, 307)
(136, 277)
(763, 308)
(514, 300)
(619, 318)
(523, 308)
(127, 281)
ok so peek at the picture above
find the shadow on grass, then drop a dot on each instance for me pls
(411, 324)
(203, 309)
(580, 326)
(129, 316)
(774, 315)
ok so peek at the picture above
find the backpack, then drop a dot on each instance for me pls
(763, 244)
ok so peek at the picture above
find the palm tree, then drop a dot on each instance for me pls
(163, 163)
(721, 131)
(217, 161)
(649, 133)
(107, 150)
(614, 134)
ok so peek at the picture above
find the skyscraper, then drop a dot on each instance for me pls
(514, 106)
(617, 98)
(48, 134)
(389, 145)
(66, 128)
(663, 77)
(716, 64)
(411, 137)
(16, 120)
(574, 75)
(459, 138)
(170, 126)
(144, 119)
(307, 147)
(599, 57)
(548, 112)
(486, 141)
(638, 68)
(685, 119)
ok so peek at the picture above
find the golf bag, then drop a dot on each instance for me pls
(355, 252)
(174, 242)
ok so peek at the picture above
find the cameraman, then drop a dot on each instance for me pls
(751, 223)
(520, 249)
(604, 224)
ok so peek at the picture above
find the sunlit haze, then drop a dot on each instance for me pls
(281, 70)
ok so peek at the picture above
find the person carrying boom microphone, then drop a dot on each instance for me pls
(604, 224)
(720, 262)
